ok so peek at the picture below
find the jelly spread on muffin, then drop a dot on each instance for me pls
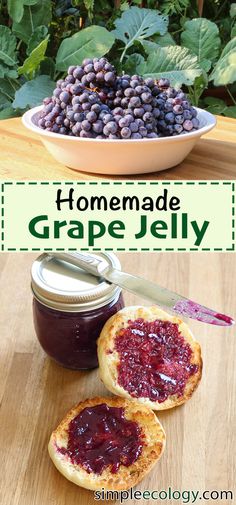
(154, 359)
(101, 437)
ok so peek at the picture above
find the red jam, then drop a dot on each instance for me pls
(70, 337)
(155, 360)
(100, 436)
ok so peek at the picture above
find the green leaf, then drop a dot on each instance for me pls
(88, 43)
(33, 61)
(7, 71)
(233, 31)
(149, 46)
(171, 7)
(232, 11)
(47, 67)
(39, 34)
(215, 105)
(199, 85)
(132, 63)
(33, 92)
(8, 112)
(173, 62)
(34, 16)
(231, 111)
(164, 40)
(16, 8)
(201, 37)
(8, 42)
(89, 4)
(138, 24)
(8, 87)
(225, 68)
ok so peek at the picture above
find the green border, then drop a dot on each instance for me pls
(120, 183)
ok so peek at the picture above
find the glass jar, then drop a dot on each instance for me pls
(70, 308)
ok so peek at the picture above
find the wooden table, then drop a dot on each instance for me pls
(35, 392)
(23, 157)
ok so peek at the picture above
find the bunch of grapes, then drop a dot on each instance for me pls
(176, 113)
(93, 102)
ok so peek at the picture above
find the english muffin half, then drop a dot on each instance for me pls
(150, 356)
(109, 443)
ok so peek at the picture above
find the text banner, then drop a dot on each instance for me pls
(118, 215)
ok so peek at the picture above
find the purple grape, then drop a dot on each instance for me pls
(98, 66)
(78, 73)
(187, 114)
(146, 97)
(86, 125)
(86, 106)
(134, 127)
(135, 101)
(85, 134)
(129, 92)
(188, 125)
(78, 117)
(139, 112)
(93, 102)
(143, 131)
(178, 128)
(148, 117)
(109, 77)
(178, 109)
(195, 122)
(152, 135)
(91, 77)
(179, 119)
(107, 118)
(125, 133)
(136, 136)
(98, 126)
(87, 61)
(110, 127)
(164, 83)
(91, 117)
(170, 117)
(89, 68)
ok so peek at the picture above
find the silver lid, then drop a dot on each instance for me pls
(69, 288)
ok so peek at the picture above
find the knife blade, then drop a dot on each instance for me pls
(146, 289)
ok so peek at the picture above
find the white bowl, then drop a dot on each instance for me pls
(123, 157)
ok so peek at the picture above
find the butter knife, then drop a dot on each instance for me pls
(145, 289)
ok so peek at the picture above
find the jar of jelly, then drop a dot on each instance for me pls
(70, 307)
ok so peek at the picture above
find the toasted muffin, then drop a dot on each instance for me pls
(128, 357)
(143, 444)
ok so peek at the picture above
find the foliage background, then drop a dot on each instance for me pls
(191, 42)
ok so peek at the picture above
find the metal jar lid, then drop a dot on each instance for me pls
(66, 287)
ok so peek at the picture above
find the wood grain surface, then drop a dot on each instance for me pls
(23, 157)
(36, 393)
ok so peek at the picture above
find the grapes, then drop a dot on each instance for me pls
(98, 126)
(86, 125)
(125, 121)
(110, 127)
(125, 133)
(109, 77)
(93, 102)
(134, 101)
(188, 125)
(146, 97)
(136, 136)
(91, 117)
(107, 118)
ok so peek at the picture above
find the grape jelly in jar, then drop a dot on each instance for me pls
(70, 307)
